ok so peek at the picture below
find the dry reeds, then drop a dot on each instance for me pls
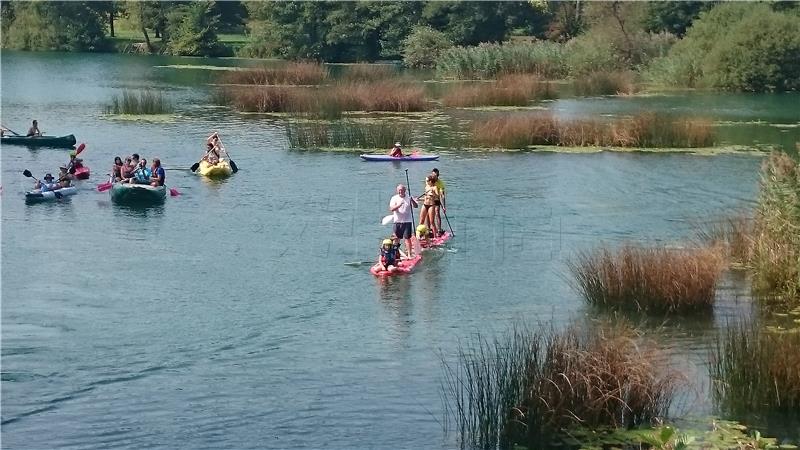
(508, 90)
(752, 369)
(367, 72)
(647, 130)
(296, 73)
(733, 234)
(648, 279)
(606, 83)
(347, 135)
(776, 239)
(327, 101)
(529, 388)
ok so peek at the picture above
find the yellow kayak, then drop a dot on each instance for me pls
(221, 169)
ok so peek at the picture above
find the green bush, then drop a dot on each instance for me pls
(191, 31)
(57, 26)
(542, 58)
(760, 52)
(423, 46)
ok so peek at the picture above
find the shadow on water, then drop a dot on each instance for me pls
(142, 211)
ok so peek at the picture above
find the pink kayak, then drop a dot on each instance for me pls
(437, 241)
(404, 267)
(82, 173)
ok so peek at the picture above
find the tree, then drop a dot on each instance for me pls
(423, 47)
(60, 26)
(673, 16)
(192, 30)
(469, 23)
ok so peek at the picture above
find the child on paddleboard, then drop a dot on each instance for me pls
(390, 255)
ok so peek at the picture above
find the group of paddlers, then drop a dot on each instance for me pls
(430, 222)
(134, 170)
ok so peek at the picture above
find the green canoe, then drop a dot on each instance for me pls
(39, 141)
(137, 194)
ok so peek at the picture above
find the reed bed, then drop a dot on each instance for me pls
(733, 234)
(775, 258)
(646, 130)
(327, 101)
(542, 58)
(648, 279)
(508, 90)
(367, 72)
(529, 388)
(754, 370)
(606, 83)
(297, 73)
(139, 103)
(347, 135)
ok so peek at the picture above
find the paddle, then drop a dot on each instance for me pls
(28, 174)
(448, 222)
(386, 220)
(9, 129)
(233, 164)
(408, 188)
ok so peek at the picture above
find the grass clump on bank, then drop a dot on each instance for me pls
(347, 135)
(529, 388)
(296, 73)
(327, 101)
(753, 370)
(606, 83)
(733, 234)
(367, 72)
(508, 90)
(139, 103)
(775, 254)
(647, 130)
(648, 279)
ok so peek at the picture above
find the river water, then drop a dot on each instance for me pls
(228, 317)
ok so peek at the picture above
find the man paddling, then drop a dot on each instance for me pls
(396, 151)
(34, 130)
(400, 206)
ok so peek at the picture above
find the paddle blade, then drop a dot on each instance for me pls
(194, 166)
(80, 148)
(27, 173)
(104, 187)
(233, 166)
(174, 192)
(387, 219)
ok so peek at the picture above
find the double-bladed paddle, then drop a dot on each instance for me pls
(28, 174)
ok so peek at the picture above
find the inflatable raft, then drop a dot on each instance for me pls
(37, 196)
(139, 194)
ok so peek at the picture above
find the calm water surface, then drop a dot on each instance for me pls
(227, 318)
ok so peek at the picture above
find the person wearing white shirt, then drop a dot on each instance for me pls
(400, 206)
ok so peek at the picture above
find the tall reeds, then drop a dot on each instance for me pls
(508, 90)
(327, 101)
(648, 279)
(347, 135)
(542, 58)
(732, 234)
(646, 130)
(754, 370)
(296, 73)
(139, 103)
(776, 238)
(367, 72)
(529, 388)
(606, 83)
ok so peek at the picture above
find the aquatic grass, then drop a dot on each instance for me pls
(755, 370)
(139, 103)
(606, 83)
(347, 135)
(653, 280)
(775, 259)
(367, 72)
(645, 130)
(528, 388)
(327, 101)
(733, 234)
(508, 90)
(542, 58)
(295, 73)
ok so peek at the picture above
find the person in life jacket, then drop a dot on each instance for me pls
(390, 255)
(396, 151)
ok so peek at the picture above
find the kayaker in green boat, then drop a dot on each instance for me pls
(116, 169)
(142, 173)
(34, 130)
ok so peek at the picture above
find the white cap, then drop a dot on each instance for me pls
(397, 144)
